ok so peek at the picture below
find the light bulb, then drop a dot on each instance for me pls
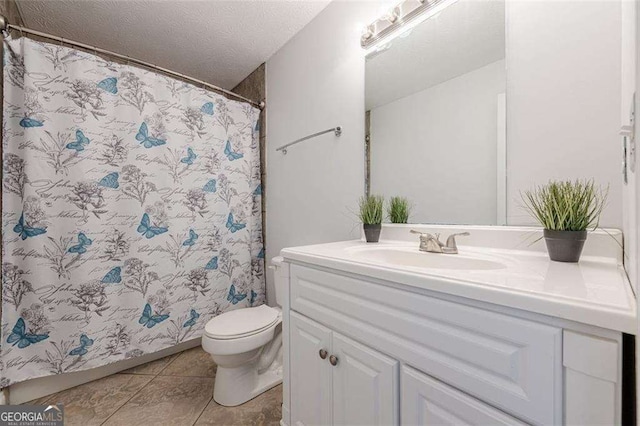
(393, 15)
(367, 32)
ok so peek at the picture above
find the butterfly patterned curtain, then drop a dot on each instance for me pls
(130, 211)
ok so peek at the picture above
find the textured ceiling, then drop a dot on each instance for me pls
(463, 37)
(220, 42)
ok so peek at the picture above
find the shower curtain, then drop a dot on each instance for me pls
(130, 210)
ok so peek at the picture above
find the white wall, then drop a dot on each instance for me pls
(563, 102)
(563, 98)
(316, 81)
(445, 135)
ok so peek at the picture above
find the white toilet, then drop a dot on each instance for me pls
(246, 344)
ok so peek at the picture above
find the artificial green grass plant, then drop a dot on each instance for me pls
(371, 209)
(398, 210)
(566, 205)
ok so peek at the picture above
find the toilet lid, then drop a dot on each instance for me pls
(241, 322)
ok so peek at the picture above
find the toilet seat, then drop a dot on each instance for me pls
(242, 323)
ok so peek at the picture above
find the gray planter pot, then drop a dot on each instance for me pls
(565, 246)
(372, 232)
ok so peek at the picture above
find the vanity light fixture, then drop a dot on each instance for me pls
(405, 15)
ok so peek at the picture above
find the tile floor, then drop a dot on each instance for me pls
(176, 390)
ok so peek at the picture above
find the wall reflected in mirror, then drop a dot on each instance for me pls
(435, 116)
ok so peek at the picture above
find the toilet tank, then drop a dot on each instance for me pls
(279, 278)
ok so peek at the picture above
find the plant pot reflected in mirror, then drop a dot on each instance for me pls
(565, 246)
(372, 232)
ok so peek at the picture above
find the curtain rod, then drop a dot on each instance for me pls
(5, 26)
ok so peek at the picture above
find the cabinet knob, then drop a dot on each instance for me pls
(323, 353)
(333, 360)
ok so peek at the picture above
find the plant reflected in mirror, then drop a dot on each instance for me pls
(398, 210)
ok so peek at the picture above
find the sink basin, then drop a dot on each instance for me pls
(418, 259)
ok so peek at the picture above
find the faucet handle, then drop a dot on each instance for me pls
(427, 235)
(451, 241)
(428, 242)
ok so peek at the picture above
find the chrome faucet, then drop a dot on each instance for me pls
(432, 244)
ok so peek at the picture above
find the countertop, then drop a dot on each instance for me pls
(595, 291)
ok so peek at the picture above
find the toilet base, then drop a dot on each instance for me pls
(235, 386)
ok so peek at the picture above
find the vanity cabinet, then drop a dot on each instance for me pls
(367, 351)
(339, 381)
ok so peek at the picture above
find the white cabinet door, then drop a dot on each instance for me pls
(426, 401)
(310, 375)
(365, 385)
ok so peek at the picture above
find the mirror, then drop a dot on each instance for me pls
(436, 116)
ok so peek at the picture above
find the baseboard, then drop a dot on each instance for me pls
(286, 416)
(43, 386)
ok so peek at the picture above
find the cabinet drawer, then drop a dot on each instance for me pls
(426, 401)
(510, 363)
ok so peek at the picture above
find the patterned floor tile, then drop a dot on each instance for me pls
(152, 368)
(191, 363)
(40, 401)
(264, 410)
(174, 390)
(166, 400)
(92, 403)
